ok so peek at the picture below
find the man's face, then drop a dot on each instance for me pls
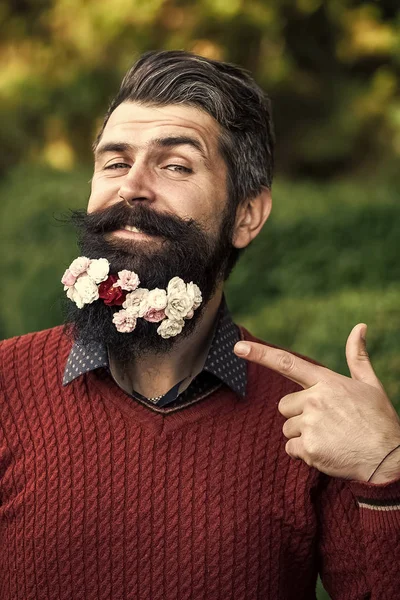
(159, 207)
(166, 158)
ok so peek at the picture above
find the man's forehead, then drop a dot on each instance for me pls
(140, 118)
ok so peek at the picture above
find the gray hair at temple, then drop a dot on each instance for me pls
(226, 92)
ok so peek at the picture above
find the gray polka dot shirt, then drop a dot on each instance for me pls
(222, 367)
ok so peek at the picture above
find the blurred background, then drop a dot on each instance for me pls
(328, 257)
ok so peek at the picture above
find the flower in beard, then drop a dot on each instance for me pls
(179, 306)
(128, 280)
(154, 316)
(157, 299)
(176, 286)
(79, 265)
(98, 269)
(136, 302)
(73, 295)
(84, 291)
(124, 321)
(110, 293)
(68, 279)
(170, 328)
(156, 302)
(194, 292)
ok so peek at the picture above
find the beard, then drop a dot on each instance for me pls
(181, 248)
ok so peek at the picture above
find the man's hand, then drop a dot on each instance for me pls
(342, 426)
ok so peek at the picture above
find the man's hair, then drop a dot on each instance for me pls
(227, 93)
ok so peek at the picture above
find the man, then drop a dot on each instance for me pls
(141, 456)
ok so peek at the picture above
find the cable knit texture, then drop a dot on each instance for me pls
(103, 499)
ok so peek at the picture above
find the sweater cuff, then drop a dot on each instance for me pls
(379, 503)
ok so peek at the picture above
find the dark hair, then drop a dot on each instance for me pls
(226, 92)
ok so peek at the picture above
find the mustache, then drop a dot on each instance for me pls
(148, 220)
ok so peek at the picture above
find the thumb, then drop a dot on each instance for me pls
(357, 356)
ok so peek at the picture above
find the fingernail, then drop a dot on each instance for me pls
(242, 348)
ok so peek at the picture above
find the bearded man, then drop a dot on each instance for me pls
(151, 448)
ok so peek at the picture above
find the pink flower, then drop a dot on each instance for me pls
(79, 265)
(154, 316)
(68, 278)
(128, 280)
(124, 321)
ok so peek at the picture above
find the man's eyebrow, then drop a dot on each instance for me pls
(112, 147)
(180, 140)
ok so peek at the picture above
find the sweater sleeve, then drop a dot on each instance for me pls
(359, 539)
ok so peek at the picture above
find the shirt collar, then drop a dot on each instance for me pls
(221, 361)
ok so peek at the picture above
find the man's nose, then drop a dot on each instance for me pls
(137, 185)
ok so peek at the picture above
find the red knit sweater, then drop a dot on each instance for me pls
(101, 498)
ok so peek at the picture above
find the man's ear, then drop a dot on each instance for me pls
(250, 217)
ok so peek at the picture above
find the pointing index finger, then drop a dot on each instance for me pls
(293, 367)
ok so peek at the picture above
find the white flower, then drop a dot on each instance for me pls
(136, 301)
(157, 299)
(79, 265)
(176, 285)
(170, 328)
(83, 292)
(73, 295)
(86, 288)
(179, 305)
(98, 269)
(124, 321)
(194, 292)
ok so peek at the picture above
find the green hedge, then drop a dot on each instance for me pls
(319, 326)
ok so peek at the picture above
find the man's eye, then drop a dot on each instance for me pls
(179, 169)
(118, 166)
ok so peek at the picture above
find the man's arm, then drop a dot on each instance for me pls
(359, 539)
(347, 428)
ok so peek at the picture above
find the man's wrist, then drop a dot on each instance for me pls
(389, 469)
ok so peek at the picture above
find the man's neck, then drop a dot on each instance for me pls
(155, 375)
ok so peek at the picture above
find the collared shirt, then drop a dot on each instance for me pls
(221, 367)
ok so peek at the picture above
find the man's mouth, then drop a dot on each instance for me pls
(132, 232)
(131, 228)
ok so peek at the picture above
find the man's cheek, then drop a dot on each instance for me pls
(101, 197)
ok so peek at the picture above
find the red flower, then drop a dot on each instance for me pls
(110, 294)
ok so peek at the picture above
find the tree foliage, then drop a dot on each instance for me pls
(331, 68)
